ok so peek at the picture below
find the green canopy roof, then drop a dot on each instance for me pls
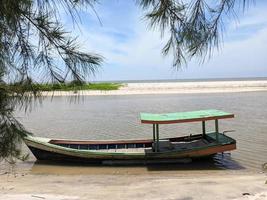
(179, 117)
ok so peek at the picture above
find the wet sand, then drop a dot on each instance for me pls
(114, 186)
(30, 180)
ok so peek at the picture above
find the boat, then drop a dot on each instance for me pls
(156, 149)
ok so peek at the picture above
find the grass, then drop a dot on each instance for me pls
(75, 87)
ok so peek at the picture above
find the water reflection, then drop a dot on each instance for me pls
(217, 163)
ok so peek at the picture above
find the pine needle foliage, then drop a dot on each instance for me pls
(194, 27)
(32, 44)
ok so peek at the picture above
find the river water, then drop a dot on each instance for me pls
(117, 117)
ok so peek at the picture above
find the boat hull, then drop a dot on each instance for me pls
(44, 155)
(43, 150)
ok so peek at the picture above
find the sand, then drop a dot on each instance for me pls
(175, 88)
(153, 186)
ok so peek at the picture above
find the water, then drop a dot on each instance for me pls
(117, 117)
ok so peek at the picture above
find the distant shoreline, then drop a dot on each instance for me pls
(185, 80)
(172, 88)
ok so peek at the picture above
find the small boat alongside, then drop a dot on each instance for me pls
(142, 150)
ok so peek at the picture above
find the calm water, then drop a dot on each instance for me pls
(115, 117)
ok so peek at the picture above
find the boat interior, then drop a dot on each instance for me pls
(166, 144)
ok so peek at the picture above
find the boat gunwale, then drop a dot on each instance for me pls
(64, 141)
(130, 141)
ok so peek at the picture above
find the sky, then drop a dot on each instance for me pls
(132, 51)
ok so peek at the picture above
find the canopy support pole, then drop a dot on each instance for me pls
(157, 136)
(217, 129)
(203, 128)
(154, 138)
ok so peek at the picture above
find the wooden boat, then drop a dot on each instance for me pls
(143, 150)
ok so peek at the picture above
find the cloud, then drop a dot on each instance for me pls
(248, 21)
(132, 51)
(242, 58)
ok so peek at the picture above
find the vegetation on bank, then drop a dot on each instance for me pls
(75, 86)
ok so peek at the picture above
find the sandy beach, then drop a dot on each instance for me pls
(175, 88)
(130, 186)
